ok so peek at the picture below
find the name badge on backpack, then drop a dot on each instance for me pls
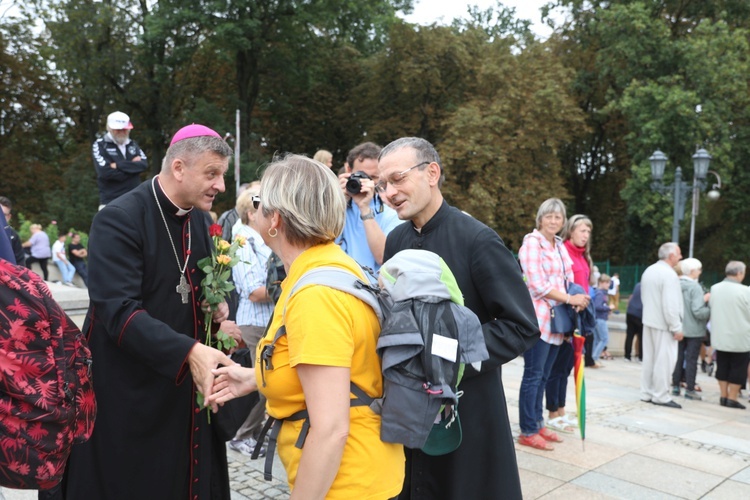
(445, 347)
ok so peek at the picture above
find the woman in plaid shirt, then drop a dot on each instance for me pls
(546, 265)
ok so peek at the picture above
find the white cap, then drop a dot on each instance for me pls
(119, 121)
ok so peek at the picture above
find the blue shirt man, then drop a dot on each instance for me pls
(368, 219)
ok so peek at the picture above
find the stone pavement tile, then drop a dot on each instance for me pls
(729, 489)
(694, 458)
(547, 466)
(535, 485)
(570, 452)
(661, 476)
(721, 440)
(743, 476)
(667, 421)
(568, 491)
(617, 488)
(618, 438)
(10, 494)
(733, 428)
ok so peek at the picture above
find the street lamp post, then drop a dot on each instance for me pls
(701, 161)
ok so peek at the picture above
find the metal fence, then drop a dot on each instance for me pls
(631, 274)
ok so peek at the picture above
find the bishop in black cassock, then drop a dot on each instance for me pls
(150, 440)
(484, 465)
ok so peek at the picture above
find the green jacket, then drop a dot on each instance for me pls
(696, 309)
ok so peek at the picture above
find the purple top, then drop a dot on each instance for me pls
(40, 245)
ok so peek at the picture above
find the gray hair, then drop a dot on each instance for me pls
(424, 151)
(667, 249)
(188, 149)
(689, 265)
(308, 198)
(735, 268)
(550, 206)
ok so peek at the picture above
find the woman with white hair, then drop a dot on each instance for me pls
(696, 313)
(329, 343)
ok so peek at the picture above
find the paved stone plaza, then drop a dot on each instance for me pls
(633, 450)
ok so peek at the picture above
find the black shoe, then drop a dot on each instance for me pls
(731, 403)
(723, 401)
(670, 404)
(703, 365)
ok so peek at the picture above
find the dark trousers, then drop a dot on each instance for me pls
(687, 356)
(634, 327)
(82, 271)
(557, 383)
(42, 264)
(588, 350)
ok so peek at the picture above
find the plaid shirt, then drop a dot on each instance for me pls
(542, 265)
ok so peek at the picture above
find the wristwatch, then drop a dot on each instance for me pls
(370, 215)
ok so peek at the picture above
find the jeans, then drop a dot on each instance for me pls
(82, 271)
(67, 270)
(557, 384)
(601, 337)
(538, 363)
(687, 355)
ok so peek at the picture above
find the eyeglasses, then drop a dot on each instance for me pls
(256, 201)
(397, 178)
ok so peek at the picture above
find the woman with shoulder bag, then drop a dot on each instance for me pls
(547, 268)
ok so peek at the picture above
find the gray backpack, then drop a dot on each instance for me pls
(426, 338)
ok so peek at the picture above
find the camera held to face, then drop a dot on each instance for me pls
(354, 184)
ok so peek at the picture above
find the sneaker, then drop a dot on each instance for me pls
(70, 283)
(710, 368)
(675, 390)
(693, 395)
(246, 446)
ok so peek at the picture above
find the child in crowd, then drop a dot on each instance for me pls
(602, 308)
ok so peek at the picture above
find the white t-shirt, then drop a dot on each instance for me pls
(58, 247)
(615, 286)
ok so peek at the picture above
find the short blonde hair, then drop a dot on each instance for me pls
(323, 156)
(245, 203)
(307, 196)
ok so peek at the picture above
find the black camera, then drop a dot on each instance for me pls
(354, 184)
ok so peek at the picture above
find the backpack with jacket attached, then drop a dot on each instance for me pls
(426, 338)
(47, 399)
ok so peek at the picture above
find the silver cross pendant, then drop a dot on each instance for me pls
(183, 289)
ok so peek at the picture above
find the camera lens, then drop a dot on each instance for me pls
(353, 185)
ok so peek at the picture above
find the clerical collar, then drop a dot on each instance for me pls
(434, 222)
(172, 206)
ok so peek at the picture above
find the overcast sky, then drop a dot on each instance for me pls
(444, 11)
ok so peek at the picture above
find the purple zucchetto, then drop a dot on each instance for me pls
(193, 130)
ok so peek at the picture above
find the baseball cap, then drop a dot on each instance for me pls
(445, 436)
(119, 121)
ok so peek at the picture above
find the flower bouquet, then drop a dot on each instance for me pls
(217, 285)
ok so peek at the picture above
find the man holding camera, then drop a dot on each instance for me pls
(368, 219)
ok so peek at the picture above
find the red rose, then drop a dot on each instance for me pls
(215, 230)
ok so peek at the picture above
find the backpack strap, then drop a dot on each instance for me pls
(338, 279)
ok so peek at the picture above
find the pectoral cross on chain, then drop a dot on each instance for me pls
(183, 289)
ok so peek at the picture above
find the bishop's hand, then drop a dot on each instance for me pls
(202, 360)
